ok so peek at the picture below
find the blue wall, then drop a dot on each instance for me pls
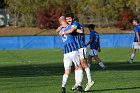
(29, 42)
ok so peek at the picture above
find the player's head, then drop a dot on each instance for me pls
(91, 27)
(69, 17)
(76, 19)
(135, 22)
(62, 20)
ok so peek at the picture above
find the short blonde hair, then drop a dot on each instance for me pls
(62, 18)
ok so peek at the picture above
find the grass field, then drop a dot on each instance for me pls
(41, 70)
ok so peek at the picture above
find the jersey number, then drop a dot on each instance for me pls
(64, 38)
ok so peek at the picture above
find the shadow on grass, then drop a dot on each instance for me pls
(58, 69)
(103, 90)
(122, 66)
(32, 70)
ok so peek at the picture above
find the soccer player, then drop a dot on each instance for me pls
(78, 37)
(94, 47)
(70, 55)
(136, 43)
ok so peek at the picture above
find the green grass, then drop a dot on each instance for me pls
(41, 70)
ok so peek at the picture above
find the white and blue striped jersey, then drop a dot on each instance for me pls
(68, 41)
(78, 37)
(136, 29)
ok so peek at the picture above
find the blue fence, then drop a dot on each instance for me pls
(29, 42)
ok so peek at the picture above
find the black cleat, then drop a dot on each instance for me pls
(63, 90)
(79, 88)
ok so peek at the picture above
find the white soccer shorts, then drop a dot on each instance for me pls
(135, 45)
(71, 57)
(82, 53)
(93, 52)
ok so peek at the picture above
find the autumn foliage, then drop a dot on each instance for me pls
(125, 19)
(48, 18)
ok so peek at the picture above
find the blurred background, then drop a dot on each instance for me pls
(44, 13)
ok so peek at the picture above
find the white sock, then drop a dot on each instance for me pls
(78, 77)
(64, 81)
(132, 56)
(101, 64)
(87, 70)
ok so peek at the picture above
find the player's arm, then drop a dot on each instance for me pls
(136, 30)
(138, 37)
(79, 31)
(68, 31)
(89, 42)
(99, 48)
(72, 30)
(59, 28)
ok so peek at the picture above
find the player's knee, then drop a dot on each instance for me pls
(67, 71)
(84, 64)
(95, 56)
(78, 68)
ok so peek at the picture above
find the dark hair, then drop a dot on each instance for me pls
(137, 20)
(76, 19)
(92, 26)
(69, 15)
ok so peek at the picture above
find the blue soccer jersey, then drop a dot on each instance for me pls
(68, 41)
(78, 37)
(83, 34)
(95, 43)
(136, 29)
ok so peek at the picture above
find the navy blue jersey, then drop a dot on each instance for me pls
(136, 29)
(78, 37)
(95, 43)
(83, 34)
(68, 41)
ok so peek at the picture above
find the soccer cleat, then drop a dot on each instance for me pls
(130, 61)
(79, 88)
(63, 90)
(104, 68)
(89, 85)
(74, 87)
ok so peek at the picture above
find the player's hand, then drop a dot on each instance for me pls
(139, 42)
(61, 33)
(99, 50)
(79, 31)
(59, 28)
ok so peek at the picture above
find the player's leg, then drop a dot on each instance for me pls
(132, 55)
(97, 59)
(64, 80)
(67, 66)
(78, 71)
(89, 61)
(134, 48)
(90, 58)
(100, 63)
(83, 61)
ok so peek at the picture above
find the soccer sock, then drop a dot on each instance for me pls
(132, 56)
(101, 64)
(64, 81)
(78, 77)
(88, 74)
